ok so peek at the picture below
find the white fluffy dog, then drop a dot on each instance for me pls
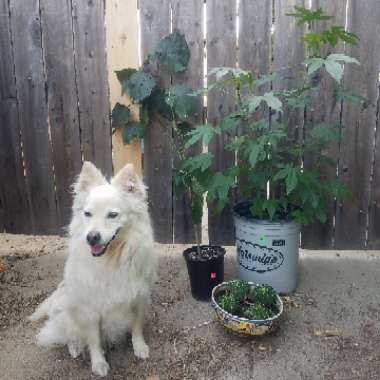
(109, 271)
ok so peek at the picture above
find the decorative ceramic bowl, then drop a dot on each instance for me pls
(241, 325)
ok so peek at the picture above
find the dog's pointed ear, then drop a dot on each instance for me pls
(128, 181)
(88, 178)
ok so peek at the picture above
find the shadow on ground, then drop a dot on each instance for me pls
(337, 296)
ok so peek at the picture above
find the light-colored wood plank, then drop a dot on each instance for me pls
(188, 19)
(221, 51)
(122, 52)
(356, 154)
(155, 24)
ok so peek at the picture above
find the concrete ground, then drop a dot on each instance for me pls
(330, 329)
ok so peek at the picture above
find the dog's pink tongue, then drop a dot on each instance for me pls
(96, 249)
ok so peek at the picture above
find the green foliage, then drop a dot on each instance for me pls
(264, 295)
(204, 133)
(239, 298)
(239, 288)
(331, 64)
(139, 86)
(303, 15)
(257, 312)
(179, 98)
(120, 116)
(229, 303)
(316, 42)
(173, 53)
(142, 87)
(133, 130)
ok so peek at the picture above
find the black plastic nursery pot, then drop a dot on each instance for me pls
(205, 270)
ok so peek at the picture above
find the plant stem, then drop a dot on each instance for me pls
(197, 238)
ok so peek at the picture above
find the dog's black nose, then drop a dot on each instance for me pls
(93, 237)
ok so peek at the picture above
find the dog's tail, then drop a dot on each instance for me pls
(46, 307)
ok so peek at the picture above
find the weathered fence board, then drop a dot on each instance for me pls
(356, 153)
(288, 54)
(91, 72)
(188, 19)
(221, 51)
(324, 108)
(155, 24)
(254, 53)
(14, 209)
(57, 39)
(33, 115)
(374, 208)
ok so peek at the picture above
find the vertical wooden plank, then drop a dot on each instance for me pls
(324, 108)
(221, 51)
(155, 24)
(14, 214)
(122, 52)
(288, 54)
(91, 70)
(57, 39)
(255, 22)
(33, 114)
(188, 19)
(374, 208)
(254, 53)
(356, 154)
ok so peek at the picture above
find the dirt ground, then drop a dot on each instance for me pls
(330, 329)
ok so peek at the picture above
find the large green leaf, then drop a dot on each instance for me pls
(335, 69)
(156, 102)
(133, 130)
(173, 53)
(120, 115)
(140, 85)
(204, 133)
(123, 77)
(180, 98)
(219, 188)
(200, 162)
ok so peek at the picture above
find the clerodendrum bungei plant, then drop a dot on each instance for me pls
(271, 161)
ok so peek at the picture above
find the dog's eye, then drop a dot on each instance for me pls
(87, 214)
(112, 214)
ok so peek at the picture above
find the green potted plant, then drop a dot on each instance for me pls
(194, 178)
(280, 192)
(247, 308)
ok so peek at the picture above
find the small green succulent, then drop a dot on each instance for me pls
(258, 312)
(265, 295)
(239, 289)
(229, 303)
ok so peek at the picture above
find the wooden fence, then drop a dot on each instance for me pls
(54, 105)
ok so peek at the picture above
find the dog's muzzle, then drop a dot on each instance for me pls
(98, 250)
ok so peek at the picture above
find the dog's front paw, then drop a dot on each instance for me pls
(75, 349)
(141, 350)
(100, 368)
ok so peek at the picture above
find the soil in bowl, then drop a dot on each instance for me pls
(206, 269)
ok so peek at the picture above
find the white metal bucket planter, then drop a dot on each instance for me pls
(267, 252)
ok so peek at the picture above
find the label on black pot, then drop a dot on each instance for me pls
(258, 258)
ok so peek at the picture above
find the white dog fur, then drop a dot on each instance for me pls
(100, 298)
